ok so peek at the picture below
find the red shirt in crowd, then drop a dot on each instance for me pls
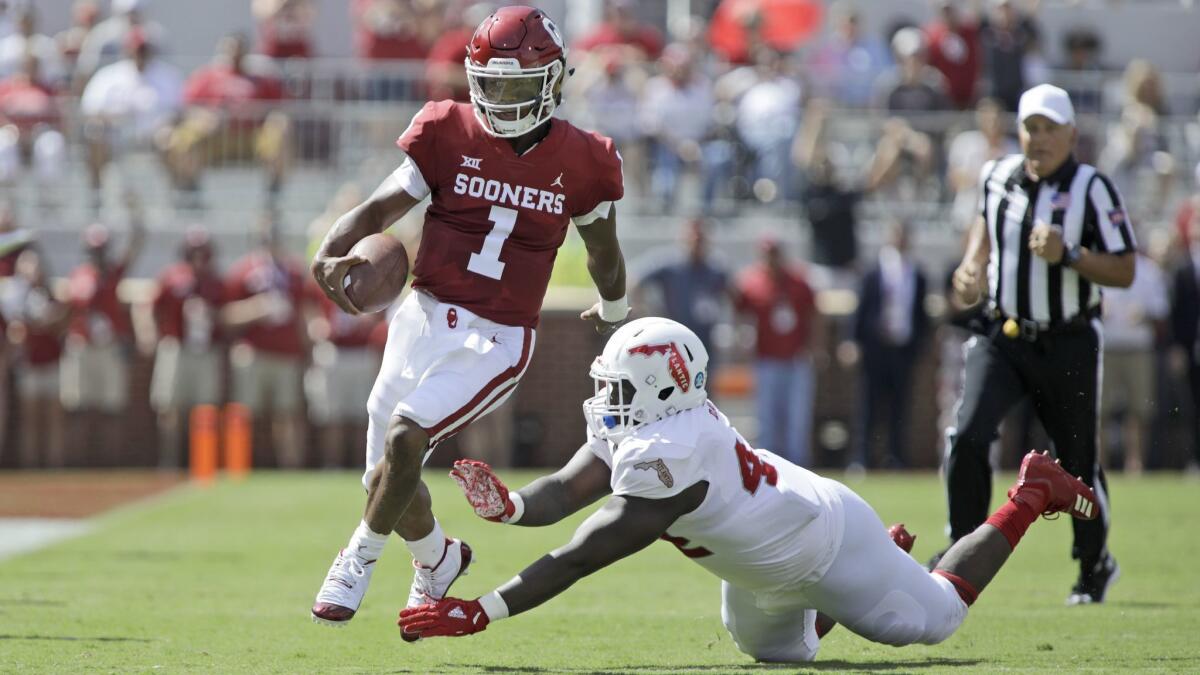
(43, 342)
(186, 305)
(480, 188)
(378, 338)
(350, 331)
(955, 53)
(783, 309)
(284, 40)
(400, 41)
(645, 38)
(446, 56)
(222, 86)
(97, 315)
(27, 104)
(1183, 218)
(257, 274)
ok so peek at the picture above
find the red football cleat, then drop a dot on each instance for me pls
(902, 537)
(1045, 485)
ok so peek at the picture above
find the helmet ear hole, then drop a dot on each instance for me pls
(665, 393)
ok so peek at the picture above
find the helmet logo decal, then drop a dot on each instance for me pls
(699, 379)
(452, 318)
(553, 31)
(675, 363)
(659, 467)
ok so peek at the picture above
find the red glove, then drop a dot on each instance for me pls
(448, 617)
(484, 490)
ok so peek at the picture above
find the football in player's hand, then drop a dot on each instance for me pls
(373, 285)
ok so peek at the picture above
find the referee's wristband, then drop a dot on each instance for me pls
(613, 311)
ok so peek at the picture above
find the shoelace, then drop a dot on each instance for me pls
(424, 579)
(348, 563)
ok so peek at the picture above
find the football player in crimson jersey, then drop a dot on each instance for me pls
(788, 545)
(505, 181)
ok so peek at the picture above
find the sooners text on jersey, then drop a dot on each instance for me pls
(496, 219)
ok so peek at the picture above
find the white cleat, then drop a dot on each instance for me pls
(433, 583)
(343, 589)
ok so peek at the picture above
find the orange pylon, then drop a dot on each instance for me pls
(202, 446)
(238, 432)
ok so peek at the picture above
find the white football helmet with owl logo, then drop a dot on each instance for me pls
(651, 368)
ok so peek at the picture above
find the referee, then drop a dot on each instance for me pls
(1051, 232)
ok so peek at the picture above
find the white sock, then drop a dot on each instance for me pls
(428, 550)
(365, 544)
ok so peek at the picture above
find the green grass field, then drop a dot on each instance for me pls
(221, 580)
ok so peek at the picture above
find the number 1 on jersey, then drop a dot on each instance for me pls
(487, 261)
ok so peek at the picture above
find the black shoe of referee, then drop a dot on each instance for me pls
(1093, 584)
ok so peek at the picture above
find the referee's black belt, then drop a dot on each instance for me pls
(1026, 329)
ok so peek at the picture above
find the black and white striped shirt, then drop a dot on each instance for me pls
(1078, 199)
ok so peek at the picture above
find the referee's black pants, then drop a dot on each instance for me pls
(1061, 373)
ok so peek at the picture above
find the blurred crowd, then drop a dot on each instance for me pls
(766, 324)
(731, 109)
(838, 129)
(259, 334)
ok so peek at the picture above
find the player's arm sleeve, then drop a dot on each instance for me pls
(419, 143)
(623, 526)
(409, 177)
(608, 186)
(549, 499)
(1114, 233)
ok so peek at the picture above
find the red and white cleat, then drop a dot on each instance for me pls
(431, 584)
(1058, 490)
(343, 589)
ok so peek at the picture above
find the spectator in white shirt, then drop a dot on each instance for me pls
(127, 103)
(768, 116)
(1134, 318)
(675, 117)
(105, 43)
(969, 151)
(26, 40)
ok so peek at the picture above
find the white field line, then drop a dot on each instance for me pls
(19, 536)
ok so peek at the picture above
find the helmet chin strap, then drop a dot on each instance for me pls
(517, 127)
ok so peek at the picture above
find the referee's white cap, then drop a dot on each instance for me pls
(1047, 100)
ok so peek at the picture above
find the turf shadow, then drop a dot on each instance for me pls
(1141, 604)
(74, 638)
(835, 665)
(28, 601)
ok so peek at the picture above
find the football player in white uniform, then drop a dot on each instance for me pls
(786, 543)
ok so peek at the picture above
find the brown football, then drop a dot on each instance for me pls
(376, 283)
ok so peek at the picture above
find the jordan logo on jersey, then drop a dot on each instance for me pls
(676, 366)
(659, 467)
(558, 182)
(471, 162)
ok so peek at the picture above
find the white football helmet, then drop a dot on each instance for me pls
(651, 368)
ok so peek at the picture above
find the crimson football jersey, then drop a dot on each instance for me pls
(496, 219)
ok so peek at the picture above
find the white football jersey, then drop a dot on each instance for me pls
(765, 524)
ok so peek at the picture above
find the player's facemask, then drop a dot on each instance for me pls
(610, 412)
(511, 101)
